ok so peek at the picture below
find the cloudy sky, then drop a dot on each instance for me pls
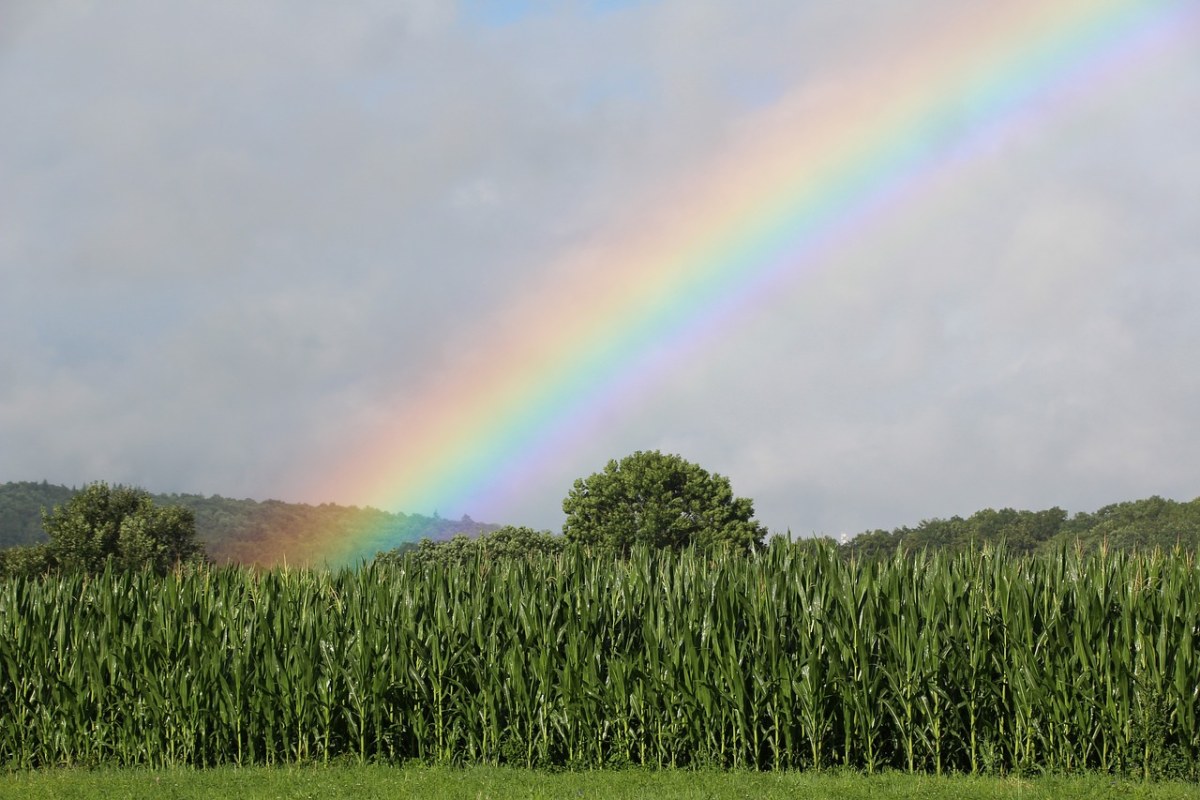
(234, 237)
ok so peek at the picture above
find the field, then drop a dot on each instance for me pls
(482, 783)
(795, 659)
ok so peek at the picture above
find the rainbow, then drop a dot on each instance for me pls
(806, 179)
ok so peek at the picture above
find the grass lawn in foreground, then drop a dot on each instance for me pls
(480, 783)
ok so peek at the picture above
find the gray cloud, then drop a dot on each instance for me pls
(234, 238)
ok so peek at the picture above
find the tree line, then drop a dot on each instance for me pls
(243, 531)
(1136, 525)
(645, 499)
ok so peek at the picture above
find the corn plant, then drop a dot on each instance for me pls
(791, 658)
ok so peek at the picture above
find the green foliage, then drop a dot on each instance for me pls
(122, 527)
(27, 561)
(662, 501)
(21, 504)
(508, 542)
(791, 658)
(1137, 525)
(247, 531)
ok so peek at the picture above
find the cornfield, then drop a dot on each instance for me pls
(793, 658)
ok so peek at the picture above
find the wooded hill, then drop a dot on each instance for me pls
(241, 530)
(1134, 525)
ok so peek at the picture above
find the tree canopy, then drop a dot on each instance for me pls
(21, 505)
(1153, 522)
(508, 542)
(122, 526)
(662, 501)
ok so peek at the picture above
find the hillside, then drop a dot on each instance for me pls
(20, 510)
(247, 531)
(1132, 525)
(252, 531)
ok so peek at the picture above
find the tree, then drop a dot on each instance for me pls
(508, 542)
(659, 500)
(121, 525)
(28, 560)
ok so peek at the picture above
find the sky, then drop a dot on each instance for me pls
(238, 241)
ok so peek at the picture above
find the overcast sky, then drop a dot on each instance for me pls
(233, 235)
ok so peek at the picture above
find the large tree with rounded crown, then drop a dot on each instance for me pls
(662, 501)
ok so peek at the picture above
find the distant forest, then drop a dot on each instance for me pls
(247, 531)
(241, 530)
(1134, 525)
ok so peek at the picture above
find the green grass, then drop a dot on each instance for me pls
(480, 783)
